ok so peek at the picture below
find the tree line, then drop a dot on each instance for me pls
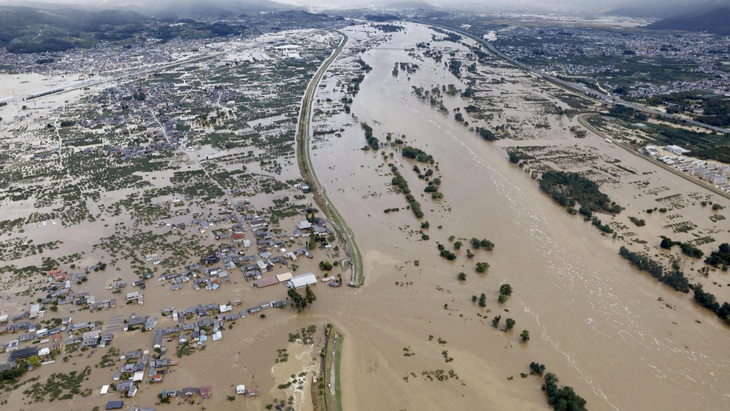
(676, 279)
(568, 188)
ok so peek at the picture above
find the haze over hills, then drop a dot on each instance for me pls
(24, 29)
(663, 9)
(60, 27)
(715, 21)
(197, 8)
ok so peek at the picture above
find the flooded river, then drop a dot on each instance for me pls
(621, 340)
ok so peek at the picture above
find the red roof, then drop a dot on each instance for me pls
(206, 392)
(54, 272)
(265, 282)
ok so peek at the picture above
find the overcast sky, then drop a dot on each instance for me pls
(542, 4)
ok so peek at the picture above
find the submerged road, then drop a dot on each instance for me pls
(304, 159)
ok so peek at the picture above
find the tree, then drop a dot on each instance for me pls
(461, 276)
(483, 300)
(509, 324)
(325, 265)
(666, 243)
(537, 368)
(299, 302)
(482, 267)
(469, 254)
(502, 299)
(505, 289)
(525, 336)
(309, 295)
(34, 361)
(495, 321)
(457, 245)
(488, 245)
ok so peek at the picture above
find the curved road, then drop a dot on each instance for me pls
(304, 160)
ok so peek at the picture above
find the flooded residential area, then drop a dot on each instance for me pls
(355, 214)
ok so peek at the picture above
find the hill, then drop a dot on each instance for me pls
(27, 30)
(665, 9)
(56, 28)
(716, 21)
(171, 9)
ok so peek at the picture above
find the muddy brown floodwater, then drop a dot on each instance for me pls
(594, 321)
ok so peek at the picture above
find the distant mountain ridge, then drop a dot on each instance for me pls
(25, 29)
(663, 9)
(61, 27)
(715, 21)
(198, 8)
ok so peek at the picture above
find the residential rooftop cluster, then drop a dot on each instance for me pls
(604, 55)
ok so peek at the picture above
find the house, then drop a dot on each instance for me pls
(123, 386)
(36, 311)
(302, 281)
(150, 323)
(257, 224)
(104, 389)
(81, 326)
(252, 392)
(266, 282)
(114, 405)
(157, 339)
(284, 277)
(90, 342)
(206, 392)
(169, 393)
(135, 323)
(162, 363)
(157, 378)
(106, 338)
(240, 389)
(304, 225)
(651, 151)
(133, 296)
(188, 392)
(12, 345)
(22, 354)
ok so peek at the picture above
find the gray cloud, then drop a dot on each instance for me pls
(591, 5)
